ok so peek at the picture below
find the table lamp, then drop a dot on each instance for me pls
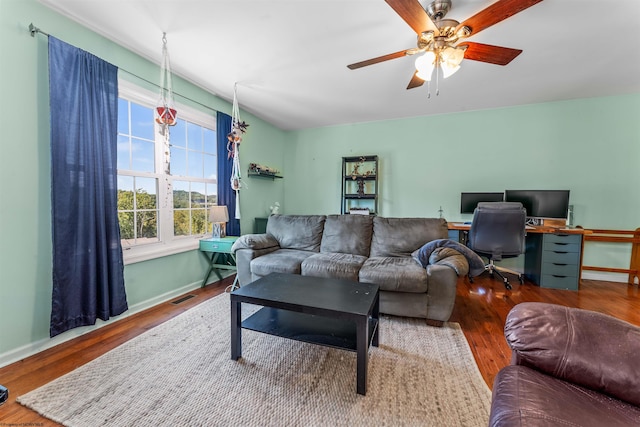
(219, 216)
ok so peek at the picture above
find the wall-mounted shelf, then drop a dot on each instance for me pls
(261, 171)
(360, 196)
(263, 175)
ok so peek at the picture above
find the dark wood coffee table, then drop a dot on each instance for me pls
(329, 312)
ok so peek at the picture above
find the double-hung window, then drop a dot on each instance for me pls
(166, 182)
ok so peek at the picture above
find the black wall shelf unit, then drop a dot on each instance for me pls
(359, 185)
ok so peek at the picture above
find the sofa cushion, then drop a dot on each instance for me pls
(333, 265)
(402, 236)
(525, 397)
(347, 234)
(302, 232)
(399, 274)
(280, 261)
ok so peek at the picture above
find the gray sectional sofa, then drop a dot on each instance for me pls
(362, 248)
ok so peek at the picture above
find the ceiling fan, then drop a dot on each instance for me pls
(438, 37)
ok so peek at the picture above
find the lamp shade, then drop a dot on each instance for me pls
(219, 214)
(425, 65)
(451, 58)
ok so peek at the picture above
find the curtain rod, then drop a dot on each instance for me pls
(33, 30)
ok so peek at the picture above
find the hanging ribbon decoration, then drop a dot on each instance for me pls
(234, 138)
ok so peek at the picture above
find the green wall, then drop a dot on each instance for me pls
(25, 223)
(590, 146)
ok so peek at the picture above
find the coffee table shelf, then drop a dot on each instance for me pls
(336, 313)
(308, 328)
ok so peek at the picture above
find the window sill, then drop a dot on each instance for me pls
(133, 255)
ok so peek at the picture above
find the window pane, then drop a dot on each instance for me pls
(180, 194)
(198, 197)
(195, 164)
(124, 152)
(198, 221)
(147, 226)
(146, 193)
(126, 226)
(194, 136)
(125, 208)
(209, 137)
(141, 121)
(178, 134)
(210, 166)
(178, 161)
(143, 159)
(181, 224)
(123, 116)
(212, 190)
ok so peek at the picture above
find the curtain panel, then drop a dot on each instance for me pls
(88, 270)
(226, 195)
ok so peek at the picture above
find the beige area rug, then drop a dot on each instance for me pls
(180, 373)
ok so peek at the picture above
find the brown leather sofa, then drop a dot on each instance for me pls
(570, 367)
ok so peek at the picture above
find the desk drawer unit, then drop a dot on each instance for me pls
(560, 261)
(553, 260)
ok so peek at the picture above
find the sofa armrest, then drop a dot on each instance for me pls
(254, 241)
(248, 247)
(583, 347)
(442, 284)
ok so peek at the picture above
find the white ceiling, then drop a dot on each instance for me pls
(289, 57)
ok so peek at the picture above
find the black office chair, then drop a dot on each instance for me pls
(497, 231)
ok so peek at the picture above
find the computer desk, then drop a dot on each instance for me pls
(553, 255)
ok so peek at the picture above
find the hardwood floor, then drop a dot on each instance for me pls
(481, 308)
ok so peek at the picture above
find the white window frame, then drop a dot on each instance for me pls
(168, 244)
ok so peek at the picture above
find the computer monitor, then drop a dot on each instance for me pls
(469, 201)
(553, 204)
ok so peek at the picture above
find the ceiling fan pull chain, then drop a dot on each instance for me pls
(437, 78)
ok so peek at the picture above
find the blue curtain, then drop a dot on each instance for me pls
(88, 271)
(226, 195)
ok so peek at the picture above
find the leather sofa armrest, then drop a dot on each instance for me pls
(583, 347)
(255, 242)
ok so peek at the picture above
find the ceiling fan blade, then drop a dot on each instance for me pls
(498, 11)
(378, 59)
(415, 81)
(413, 14)
(488, 53)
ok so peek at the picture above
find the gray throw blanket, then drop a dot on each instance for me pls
(424, 255)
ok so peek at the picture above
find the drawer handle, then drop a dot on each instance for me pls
(559, 276)
(560, 252)
(562, 234)
(560, 243)
(557, 263)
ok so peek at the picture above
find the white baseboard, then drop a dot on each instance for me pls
(605, 276)
(36, 347)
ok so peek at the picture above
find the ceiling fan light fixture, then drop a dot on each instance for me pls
(450, 59)
(448, 70)
(425, 65)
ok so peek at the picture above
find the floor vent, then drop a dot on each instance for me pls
(183, 299)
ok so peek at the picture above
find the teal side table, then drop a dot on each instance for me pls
(213, 251)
